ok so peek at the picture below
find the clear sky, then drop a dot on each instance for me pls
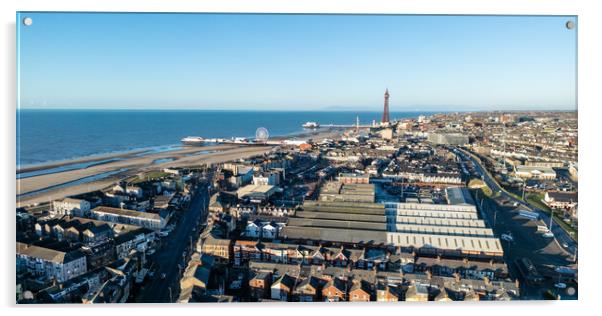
(292, 62)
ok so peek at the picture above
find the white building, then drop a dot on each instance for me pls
(268, 231)
(116, 215)
(561, 200)
(266, 178)
(50, 264)
(256, 192)
(70, 206)
(252, 230)
(125, 243)
(448, 138)
(386, 133)
(134, 190)
(532, 172)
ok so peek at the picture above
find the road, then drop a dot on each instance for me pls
(169, 257)
(527, 242)
(560, 235)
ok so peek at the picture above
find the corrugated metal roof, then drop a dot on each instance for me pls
(342, 216)
(307, 222)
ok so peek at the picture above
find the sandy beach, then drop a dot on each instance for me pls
(94, 158)
(47, 187)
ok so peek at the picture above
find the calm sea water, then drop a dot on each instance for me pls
(54, 135)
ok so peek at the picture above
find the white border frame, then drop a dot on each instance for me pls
(589, 107)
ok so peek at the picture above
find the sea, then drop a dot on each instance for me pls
(45, 136)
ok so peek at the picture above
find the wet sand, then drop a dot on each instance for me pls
(52, 186)
(184, 157)
(94, 158)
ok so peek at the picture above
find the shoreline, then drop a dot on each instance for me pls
(128, 154)
(56, 186)
(51, 186)
(84, 159)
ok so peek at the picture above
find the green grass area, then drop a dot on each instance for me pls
(480, 185)
(514, 195)
(535, 199)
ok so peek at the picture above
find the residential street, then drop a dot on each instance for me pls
(169, 258)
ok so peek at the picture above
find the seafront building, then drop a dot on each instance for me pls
(70, 206)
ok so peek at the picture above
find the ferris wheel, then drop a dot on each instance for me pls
(261, 134)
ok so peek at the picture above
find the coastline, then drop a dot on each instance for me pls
(50, 186)
(92, 158)
(304, 134)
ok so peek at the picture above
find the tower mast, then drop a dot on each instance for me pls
(385, 118)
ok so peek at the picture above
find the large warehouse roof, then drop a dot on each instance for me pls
(342, 216)
(465, 244)
(332, 234)
(431, 207)
(444, 230)
(437, 214)
(475, 245)
(327, 223)
(432, 221)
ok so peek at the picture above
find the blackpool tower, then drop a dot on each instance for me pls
(386, 110)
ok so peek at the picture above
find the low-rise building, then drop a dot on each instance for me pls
(116, 215)
(386, 293)
(561, 200)
(70, 206)
(533, 172)
(447, 138)
(334, 290)
(256, 192)
(282, 288)
(417, 293)
(308, 289)
(217, 247)
(259, 285)
(360, 291)
(245, 251)
(50, 264)
(353, 178)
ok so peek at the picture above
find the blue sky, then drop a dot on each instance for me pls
(292, 62)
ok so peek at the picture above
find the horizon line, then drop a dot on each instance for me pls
(299, 110)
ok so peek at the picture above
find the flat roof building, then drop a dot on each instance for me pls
(459, 196)
(116, 215)
(256, 191)
(533, 172)
(447, 138)
(347, 192)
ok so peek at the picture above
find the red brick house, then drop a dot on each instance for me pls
(360, 291)
(259, 285)
(334, 290)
